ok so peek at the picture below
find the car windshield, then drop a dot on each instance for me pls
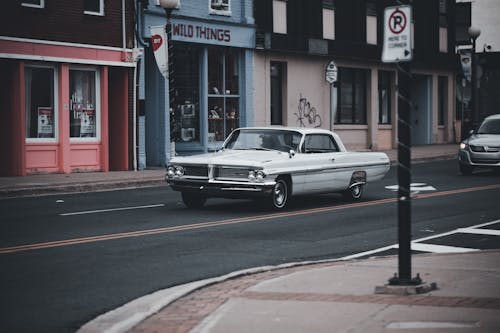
(490, 126)
(264, 139)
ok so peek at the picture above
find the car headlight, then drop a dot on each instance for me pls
(464, 145)
(256, 176)
(175, 171)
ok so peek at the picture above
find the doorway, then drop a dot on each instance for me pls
(421, 112)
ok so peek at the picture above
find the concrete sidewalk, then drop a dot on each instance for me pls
(335, 296)
(95, 181)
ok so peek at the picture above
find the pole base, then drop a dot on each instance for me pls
(397, 286)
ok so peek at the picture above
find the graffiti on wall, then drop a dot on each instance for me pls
(307, 115)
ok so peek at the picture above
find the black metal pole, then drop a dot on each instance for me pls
(473, 96)
(404, 173)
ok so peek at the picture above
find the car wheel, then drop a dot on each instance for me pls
(465, 169)
(280, 194)
(354, 193)
(193, 200)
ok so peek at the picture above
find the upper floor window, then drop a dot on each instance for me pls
(94, 7)
(220, 7)
(33, 3)
(371, 22)
(279, 16)
(328, 19)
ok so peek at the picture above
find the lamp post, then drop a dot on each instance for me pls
(168, 6)
(474, 34)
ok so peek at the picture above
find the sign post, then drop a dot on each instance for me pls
(331, 75)
(397, 49)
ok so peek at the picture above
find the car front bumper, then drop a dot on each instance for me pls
(223, 189)
(479, 159)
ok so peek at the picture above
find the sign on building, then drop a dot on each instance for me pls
(397, 34)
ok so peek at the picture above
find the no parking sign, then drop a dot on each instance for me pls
(397, 34)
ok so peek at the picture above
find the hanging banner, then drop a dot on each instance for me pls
(466, 60)
(160, 48)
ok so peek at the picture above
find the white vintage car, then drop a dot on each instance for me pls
(275, 163)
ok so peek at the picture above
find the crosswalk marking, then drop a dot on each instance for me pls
(418, 245)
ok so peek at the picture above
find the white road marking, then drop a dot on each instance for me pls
(414, 187)
(439, 248)
(417, 244)
(111, 210)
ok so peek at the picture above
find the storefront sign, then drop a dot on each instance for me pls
(45, 122)
(160, 48)
(209, 33)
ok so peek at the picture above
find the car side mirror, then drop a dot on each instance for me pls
(291, 153)
(471, 132)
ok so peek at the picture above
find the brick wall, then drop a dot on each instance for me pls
(64, 20)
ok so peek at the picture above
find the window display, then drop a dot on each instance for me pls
(40, 117)
(83, 112)
(185, 120)
(223, 93)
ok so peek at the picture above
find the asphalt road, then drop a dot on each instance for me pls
(66, 259)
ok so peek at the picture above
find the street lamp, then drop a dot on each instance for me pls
(474, 34)
(168, 6)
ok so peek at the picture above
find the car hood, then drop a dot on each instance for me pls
(484, 140)
(233, 158)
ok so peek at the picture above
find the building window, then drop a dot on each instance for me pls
(328, 19)
(220, 7)
(33, 3)
(384, 97)
(223, 93)
(185, 121)
(352, 96)
(83, 112)
(41, 113)
(371, 22)
(443, 26)
(279, 17)
(277, 78)
(442, 98)
(94, 7)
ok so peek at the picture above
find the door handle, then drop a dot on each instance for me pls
(333, 160)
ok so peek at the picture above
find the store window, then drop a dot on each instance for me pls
(384, 97)
(185, 120)
(93, 7)
(41, 117)
(220, 7)
(84, 115)
(223, 93)
(352, 96)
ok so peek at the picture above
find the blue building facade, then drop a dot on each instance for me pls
(210, 89)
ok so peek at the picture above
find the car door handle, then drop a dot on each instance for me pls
(333, 160)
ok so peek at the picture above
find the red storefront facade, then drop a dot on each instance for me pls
(66, 100)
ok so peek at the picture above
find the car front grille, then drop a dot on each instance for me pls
(485, 149)
(196, 170)
(485, 161)
(222, 172)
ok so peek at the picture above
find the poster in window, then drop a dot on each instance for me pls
(45, 122)
(87, 125)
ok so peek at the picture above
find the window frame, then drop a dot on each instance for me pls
(356, 73)
(97, 137)
(41, 4)
(99, 13)
(55, 139)
(388, 75)
(304, 148)
(222, 12)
